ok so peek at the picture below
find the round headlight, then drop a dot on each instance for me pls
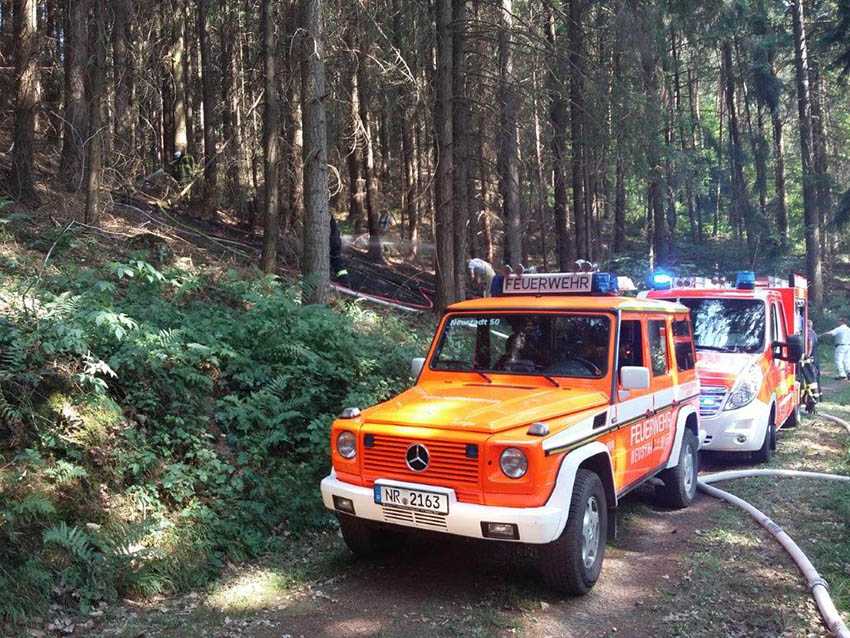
(346, 445)
(514, 463)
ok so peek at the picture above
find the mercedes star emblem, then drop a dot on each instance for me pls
(417, 457)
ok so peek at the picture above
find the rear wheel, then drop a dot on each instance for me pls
(571, 564)
(680, 482)
(765, 452)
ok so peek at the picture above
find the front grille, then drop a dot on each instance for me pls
(407, 517)
(711, 400)
(449, 465)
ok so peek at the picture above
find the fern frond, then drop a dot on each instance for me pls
(72, 539)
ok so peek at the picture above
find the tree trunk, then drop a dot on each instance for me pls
(444, 195)
(821, 160)
(233, 137)
(271, 138)
(27, 95)
(740, 196)
(178, 50)
(76, 118)
(576, 58)
(208, 84)
(558, 117)
(814, 265)
(460, 134)
(373, 198)
(508, 162)
(123, 71)
(95, 94)
(539, 180)
(779, 177)
(316, 263)
(660, 242)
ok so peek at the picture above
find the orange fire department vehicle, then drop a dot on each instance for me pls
(749, 339)
(535, 410)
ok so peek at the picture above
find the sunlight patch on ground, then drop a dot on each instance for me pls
(354, 627)
(254, 590)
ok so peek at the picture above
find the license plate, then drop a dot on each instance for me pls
(421, 500)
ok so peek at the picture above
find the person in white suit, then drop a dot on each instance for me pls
(842, 350)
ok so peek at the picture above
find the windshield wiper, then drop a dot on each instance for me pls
(551, 380)
(700, 346)
(484, 376)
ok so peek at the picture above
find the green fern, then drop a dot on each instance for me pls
(72, 539)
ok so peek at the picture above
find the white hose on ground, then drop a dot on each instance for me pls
(368, 297)
(816, 584)
(835, 419)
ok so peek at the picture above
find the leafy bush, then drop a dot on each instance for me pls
(166, 422)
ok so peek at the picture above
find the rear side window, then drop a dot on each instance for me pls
(658, 348)
(684, 344)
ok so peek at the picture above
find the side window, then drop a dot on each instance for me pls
(684, 344)
(631, 344)
(658, 347)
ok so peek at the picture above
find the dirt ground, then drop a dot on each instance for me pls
(705, 571)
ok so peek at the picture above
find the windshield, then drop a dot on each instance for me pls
(727, 325)
(543, 344)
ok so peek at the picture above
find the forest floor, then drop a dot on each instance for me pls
(704, 571)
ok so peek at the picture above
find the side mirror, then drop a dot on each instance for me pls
(792, 350)
(795, 348)
(416, 366)
(634, 378)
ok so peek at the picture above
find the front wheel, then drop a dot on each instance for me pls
(362, 537)
(680, 482)
(765, 452)
(571, 564)
(793, 419)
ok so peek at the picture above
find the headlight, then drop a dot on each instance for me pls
(346, 445)
(514, 463)
(746, 388)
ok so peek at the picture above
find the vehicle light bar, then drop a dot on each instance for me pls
(772, 282)
(556, 283)
(745, 280)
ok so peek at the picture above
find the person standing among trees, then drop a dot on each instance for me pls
(842, 350)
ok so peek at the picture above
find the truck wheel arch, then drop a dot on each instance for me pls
(687, 418)
(595, 457)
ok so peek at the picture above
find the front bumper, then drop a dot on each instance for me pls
(740, 430)
(535, 524)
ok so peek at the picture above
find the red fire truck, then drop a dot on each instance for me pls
(749, 338)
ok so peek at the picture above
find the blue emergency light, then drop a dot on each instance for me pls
(661, 281)
(745, 280)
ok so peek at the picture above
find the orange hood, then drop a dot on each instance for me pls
(723, 367)
(482, 407)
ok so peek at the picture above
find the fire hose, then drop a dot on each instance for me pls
(815, 582)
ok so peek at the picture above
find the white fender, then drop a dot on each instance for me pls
(563, 493)
(684, 412)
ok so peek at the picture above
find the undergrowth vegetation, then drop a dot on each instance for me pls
(155, 424)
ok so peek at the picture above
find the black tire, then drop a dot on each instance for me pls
(569, 565)
(680, 482)
(362, 537)
(765, 452)
(794, 418)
